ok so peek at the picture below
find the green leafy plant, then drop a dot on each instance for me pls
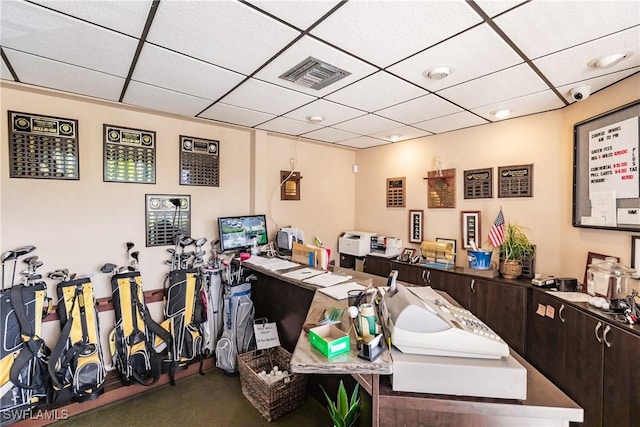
(343, 412)
(516, 244)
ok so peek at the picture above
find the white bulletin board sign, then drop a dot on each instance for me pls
(606, 180)
(266, 335)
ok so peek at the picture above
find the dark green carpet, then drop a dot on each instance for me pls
(210, 400)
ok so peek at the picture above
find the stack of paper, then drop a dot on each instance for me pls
(327, 279)
(341, 291)
(303, 273)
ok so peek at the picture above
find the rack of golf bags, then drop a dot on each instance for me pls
(24, 381)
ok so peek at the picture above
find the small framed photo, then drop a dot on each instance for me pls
(415, 225)
(407, 254)
(635, 252)
(470, 228)
(445, 240)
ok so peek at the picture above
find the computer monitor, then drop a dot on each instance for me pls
(238, 232)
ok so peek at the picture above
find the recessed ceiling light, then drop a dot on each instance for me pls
(501, 114)
(437, 73)
(394, 138)
(609, 60)
(315, 119)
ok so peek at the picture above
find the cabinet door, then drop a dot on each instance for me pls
(584, 364)
(408, 273)
(546, 336)
(377, 265)
(502, 308)
(458, 287)
(434, 278)
(621, 406)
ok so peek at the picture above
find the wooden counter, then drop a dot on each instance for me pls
(546, 405)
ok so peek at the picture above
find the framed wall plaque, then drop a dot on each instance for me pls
(396, 192)
(166, 215)
(416, 223)
(199, 161)
(470, 228)
(478, 184)
(129, 155)
(43, 147)
(441, 188)
(290, 185)
(515, 181)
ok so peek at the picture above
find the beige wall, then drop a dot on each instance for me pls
(546, 140)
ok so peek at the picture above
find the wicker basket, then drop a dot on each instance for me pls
(271, 400)
(511, 269)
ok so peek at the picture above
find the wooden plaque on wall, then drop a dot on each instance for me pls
(441, 188)
(396, 194)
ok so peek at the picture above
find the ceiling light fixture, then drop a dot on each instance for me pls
(393, 138)
(609, 60)
(315, 119)
(501, 114)
(438, 73)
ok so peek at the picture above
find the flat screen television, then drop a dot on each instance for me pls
(237, 232)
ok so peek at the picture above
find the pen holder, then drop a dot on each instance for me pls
(367, 321)
(372, 348)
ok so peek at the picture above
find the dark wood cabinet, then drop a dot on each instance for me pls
(459, 288)
(546, 335)
(378, 266)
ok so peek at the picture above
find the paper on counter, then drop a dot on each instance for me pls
(303, 273)
(571, 296)
(341, 291)
(327, 279)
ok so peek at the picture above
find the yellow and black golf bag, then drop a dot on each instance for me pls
(185, 314)
(76, 364)
(139, 345)
(24, 380)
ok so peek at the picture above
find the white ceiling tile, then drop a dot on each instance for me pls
(451, 122)
(5, 74)
(506, 84)
(364, 142)
(225, 33)
(383, 32)
(419, 109)
(39, 71)
(376, 92)
(260, 96)
(540, 28)
(401, 133)
(304, 48)
(333, 113)
(236, 115)
(127, 17)
(469, 55)
(496, 7)
(601, 82)
(288, 126)
(159, 99)
(301, 13)
(33, 29)
(330, 135)
(574, 64)
(530, 104)
(183, 74)
(367, 124)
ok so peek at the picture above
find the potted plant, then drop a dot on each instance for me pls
(515, 248)
(344, 412)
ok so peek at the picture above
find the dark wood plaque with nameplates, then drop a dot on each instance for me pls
(199, 161)
(396, 192)
(441, 188)
(164, 220)
(43, 147)
(129, 155)
(515, 181)
(478, 184)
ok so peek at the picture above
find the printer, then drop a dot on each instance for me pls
(286, 236)
(387, 247)
(356, 243)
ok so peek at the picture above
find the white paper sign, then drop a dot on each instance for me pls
(613, 159)
(266, 335)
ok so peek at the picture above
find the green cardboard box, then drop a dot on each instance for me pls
(329, 340)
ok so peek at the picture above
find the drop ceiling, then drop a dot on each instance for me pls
(222, 60)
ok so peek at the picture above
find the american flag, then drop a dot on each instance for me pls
(496, 234)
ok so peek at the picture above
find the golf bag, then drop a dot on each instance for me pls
(184, 315)
(211, 293)
(24, 379)
(76, 364)
(237, 336)
(139, 346)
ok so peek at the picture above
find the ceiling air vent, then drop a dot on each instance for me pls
(314, 74)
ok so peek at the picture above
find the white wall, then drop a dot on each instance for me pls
(546, 140)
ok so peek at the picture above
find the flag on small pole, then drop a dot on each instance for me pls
(496, 234)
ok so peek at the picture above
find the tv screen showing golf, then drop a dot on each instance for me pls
(239, 231)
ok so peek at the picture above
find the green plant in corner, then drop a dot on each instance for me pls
(516, 244)
(344, 412)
